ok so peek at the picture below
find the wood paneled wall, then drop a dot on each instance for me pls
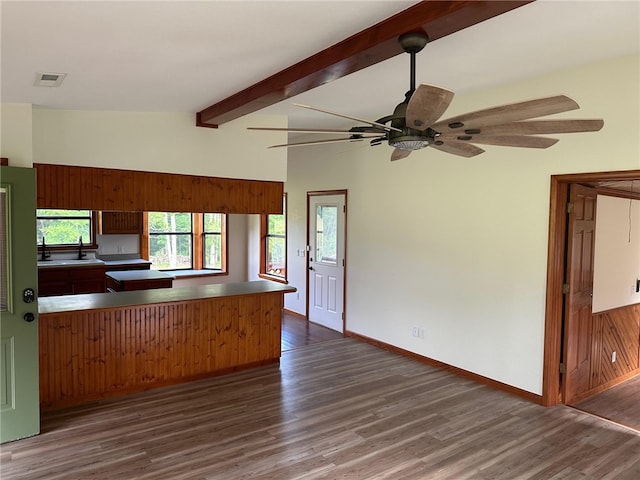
(87, 355)
(616, 330)
(74, 187)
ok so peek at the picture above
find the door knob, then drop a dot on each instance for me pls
(29, 317)
(310, 267)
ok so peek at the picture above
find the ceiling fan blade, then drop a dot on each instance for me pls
(381, 125)
(427, 104)
(398, 154)
(461, 149)
(537, 127)
(300, 130)
(503, 140)
(507, 113)
(320, 142)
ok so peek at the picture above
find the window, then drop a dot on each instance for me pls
(171, 240)
(65, 227)
(213, 240)
(187, 241)
(273, 251)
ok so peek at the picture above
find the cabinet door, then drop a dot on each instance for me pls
(53, 281)
(121, 223)
(87, 280)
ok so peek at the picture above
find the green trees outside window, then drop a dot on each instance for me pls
(274, 249)
(184, 241)
(64, 227)
(171, 240)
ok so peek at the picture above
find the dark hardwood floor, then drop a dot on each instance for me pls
(297, 332)
(339, 409)
(619, 404)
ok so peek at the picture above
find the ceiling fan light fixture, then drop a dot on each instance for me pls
(409, 143)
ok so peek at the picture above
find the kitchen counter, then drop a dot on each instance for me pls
(128, 280)
(133, 263)
(99, 301)
(103, 345)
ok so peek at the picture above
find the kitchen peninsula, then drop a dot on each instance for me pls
(99, 345)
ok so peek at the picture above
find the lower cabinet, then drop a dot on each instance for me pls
(70, 280)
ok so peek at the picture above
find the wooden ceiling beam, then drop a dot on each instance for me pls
(370, 46)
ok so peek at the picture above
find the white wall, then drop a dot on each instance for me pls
(459, 246)
(617, 253)
(159, 142)
(16, 138)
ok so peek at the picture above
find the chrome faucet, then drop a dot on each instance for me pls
(44, 255)
(81, 254)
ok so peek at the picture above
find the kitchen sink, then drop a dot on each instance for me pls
(69, 263)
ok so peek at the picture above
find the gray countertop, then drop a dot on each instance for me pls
(127, 275)
(98, 301)
(126, 262)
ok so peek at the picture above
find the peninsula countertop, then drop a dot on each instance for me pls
(100, 301)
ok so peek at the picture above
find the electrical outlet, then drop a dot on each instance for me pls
(613, 357)
(421, 333)
(120, 249)
(415, 331)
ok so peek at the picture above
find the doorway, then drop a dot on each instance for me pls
(326, 262)
(625, 184)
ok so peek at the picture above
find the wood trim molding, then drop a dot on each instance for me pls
(532, 397)
(294, 314)
(4, 161)
(364, 49)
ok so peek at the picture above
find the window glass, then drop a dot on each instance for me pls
(213, 225)
(63, 227)
(170, 240)
(274, 261)
(326, 234)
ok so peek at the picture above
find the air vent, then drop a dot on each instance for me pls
(49, 79)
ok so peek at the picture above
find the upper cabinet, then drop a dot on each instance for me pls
(106, 189)
(110, 223)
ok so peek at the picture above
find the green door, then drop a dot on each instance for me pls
(19, 395)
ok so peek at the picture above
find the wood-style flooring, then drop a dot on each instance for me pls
(338, 409)
(619, 404)
(297, 332)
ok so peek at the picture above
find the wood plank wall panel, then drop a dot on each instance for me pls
(75, 187)
(616, 330)
(87, 355)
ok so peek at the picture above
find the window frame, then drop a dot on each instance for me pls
(61, 247)
(197, 244)
(264, 238)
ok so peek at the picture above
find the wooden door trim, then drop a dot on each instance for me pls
(318, 193)
(555, 274)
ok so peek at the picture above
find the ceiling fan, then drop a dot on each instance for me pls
(415, 122)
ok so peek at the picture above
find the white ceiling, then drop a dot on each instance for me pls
(184, 56)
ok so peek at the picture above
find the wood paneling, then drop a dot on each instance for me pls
(86, 355)
(91, 188)
(120, 223)
(617, 331)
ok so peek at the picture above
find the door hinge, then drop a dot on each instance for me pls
(563, 369)
(569, 207)
(342, 315)
(565, 288)
(343, 262)
(344, 209)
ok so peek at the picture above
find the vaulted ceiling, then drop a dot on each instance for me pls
(186, 56)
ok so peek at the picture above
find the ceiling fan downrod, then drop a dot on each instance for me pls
(412, 43)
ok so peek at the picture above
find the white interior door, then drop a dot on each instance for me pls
(326, 260)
